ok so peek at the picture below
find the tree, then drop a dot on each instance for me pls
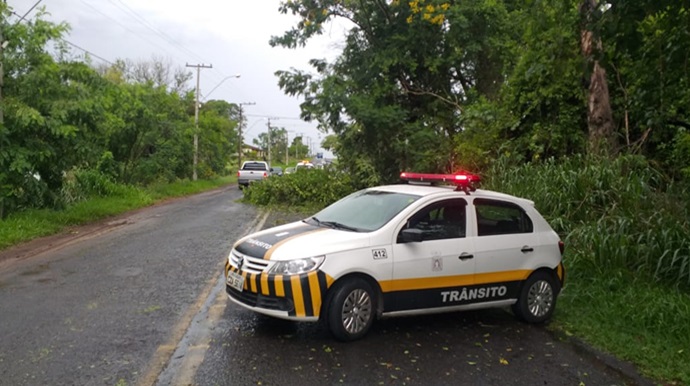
(278, 143)
(52, 114)
(602, 139)
(218, 122)
(387, 94)
(299, 148)
(158, 71)
(331, 143)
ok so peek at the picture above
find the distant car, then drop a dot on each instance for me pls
(276, 171)
(252, 171)
(289, 170)
(399, 250)
(304, 165)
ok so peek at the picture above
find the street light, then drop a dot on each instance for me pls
(218, 85)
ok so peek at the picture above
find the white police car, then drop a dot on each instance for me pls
(401, 250)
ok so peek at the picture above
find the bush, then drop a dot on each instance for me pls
(312, 189)
(81, 184)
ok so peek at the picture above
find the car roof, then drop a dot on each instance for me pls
(429, 190)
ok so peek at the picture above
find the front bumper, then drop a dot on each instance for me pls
(293, 297)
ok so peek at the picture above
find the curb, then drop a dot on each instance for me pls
(625, 370)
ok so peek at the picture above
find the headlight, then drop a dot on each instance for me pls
(297, 266)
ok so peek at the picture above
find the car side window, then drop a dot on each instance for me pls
(496, 217)
(442, 220)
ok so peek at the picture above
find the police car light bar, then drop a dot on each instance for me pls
(464, 181)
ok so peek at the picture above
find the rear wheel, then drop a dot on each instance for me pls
(537, 298)
(351, 309)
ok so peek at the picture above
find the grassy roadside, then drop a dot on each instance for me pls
(627, 256)
(631, 317)
(30, 224)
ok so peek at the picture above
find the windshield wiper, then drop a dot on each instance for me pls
(337, 225)
(316, 220)
(332, 224)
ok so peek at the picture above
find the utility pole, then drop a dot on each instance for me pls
(3, 44)
(269, 139)
(287, 147)
(2, 84)
(196, 116)
(239, 140)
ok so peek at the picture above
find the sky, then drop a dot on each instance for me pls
(230, 35)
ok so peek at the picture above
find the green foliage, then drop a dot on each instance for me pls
(390, 96)
(81, 184)
(63, 119)
(680, 153)
(619, 215)
(314, 189)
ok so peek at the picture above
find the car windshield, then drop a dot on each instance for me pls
(363, 211)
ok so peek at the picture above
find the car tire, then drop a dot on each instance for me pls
(537, 299)
(351, 309)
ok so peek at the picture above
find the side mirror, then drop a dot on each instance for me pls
(412, 235)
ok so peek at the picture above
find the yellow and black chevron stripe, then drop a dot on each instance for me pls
(299, 295)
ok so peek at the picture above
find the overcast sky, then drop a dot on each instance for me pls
(230, 35)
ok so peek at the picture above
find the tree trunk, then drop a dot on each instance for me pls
(602, 138)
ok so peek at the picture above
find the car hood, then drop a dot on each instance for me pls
(299, 240)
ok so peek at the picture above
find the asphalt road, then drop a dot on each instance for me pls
(139, 300)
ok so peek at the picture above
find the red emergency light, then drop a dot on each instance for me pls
(467, 182)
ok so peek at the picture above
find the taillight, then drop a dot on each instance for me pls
(238, 174)
(265, 175)
(561, 246)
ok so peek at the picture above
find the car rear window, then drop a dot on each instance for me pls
(254, 166)
(500, 218)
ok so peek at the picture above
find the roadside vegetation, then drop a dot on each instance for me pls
(90, 197)
(627, 236)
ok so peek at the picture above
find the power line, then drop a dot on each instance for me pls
(273, 116)
(141, 20)
(27, 12)
(65, 40)
(125, 27)
(88, 52)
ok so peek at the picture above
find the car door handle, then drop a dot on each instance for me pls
(526, 249)
(465, 256)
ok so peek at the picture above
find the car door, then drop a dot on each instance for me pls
(505, 245)
(428, 272)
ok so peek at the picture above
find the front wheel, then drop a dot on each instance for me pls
(351, 309)
(537, 298)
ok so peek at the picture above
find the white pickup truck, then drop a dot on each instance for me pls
(252, 171)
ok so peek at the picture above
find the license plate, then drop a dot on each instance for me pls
(235, 281)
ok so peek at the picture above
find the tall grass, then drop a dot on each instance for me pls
(620, 213)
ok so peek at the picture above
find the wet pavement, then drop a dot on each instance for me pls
(98, 309)
(142, 302)
(487, 347)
